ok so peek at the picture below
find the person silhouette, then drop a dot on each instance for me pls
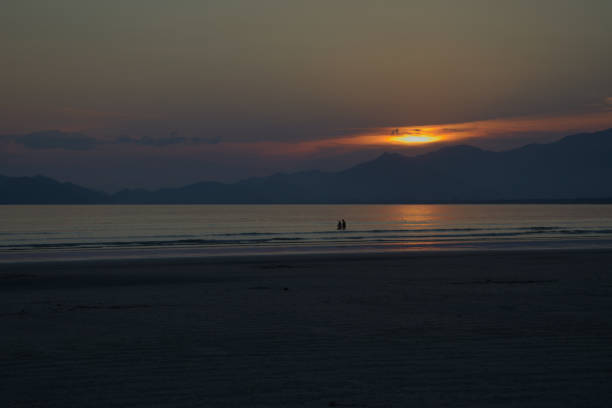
(339, 225)
(343, 224)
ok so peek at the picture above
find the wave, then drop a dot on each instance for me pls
(376, 231)
(27, 234)
(313, 238)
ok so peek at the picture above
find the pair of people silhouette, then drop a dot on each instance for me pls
(342, 225)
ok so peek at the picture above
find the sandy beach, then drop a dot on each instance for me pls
(486, 329)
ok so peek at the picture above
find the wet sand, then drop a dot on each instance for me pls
(389, 330)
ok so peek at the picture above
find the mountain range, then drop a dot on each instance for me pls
(575, 168)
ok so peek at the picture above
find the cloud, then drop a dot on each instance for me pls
(150, 141)
(455, 130)
(55, 139)
(172, 139)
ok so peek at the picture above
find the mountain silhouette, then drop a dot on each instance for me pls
(44, 190)
(575, 168)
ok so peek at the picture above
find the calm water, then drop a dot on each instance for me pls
(50, 232)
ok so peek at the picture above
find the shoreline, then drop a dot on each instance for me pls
(301, 257)
(191, 255)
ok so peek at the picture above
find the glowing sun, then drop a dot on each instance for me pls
(415, 139)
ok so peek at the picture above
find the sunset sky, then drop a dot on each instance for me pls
(154, 93)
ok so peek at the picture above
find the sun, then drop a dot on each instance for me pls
(415, 139)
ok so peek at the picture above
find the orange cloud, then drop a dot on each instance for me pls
(456, 132)
(521, 128)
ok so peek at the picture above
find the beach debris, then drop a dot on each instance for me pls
(338, 404)
(112, 307)
(505, 282)
(277, 266)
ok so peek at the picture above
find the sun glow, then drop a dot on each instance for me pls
(415, 139)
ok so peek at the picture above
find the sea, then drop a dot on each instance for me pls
(59, 232)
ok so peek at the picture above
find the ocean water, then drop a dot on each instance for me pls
(97, 231)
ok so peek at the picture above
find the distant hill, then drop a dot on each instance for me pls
(43, 190)
(576, 168)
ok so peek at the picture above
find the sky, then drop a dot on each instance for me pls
(154, 93)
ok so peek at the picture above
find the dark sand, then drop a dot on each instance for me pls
(486, 329)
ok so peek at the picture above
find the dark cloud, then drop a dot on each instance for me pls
(172, 139)
(453, 130)
(55, 139)
(212, 140)
(151, 141)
